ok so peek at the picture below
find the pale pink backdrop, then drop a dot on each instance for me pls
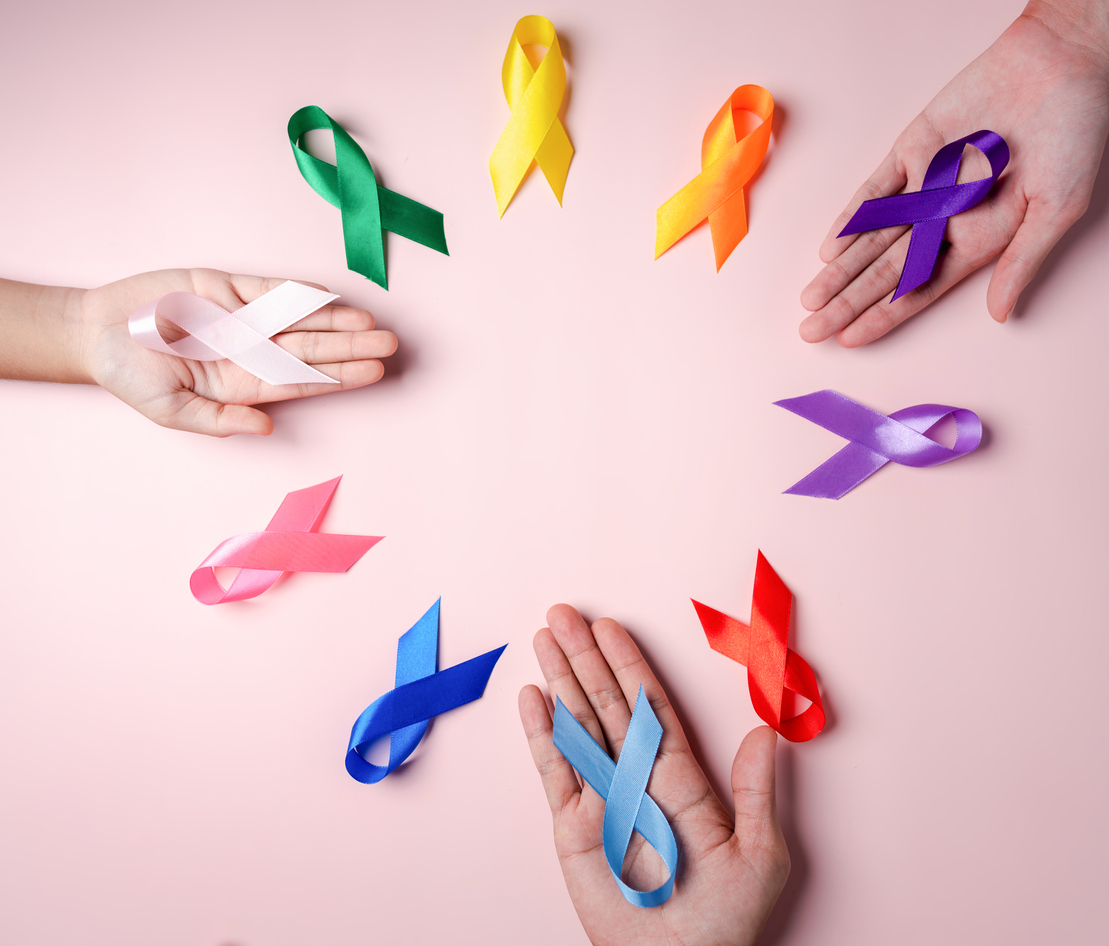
(568, 420)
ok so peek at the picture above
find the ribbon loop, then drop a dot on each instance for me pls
(772, 668)
(367, 208)
(728, 163)
(534, 132)
(242, 336)
(291, 543)
(877, 439)
(422, 691)
(623, 785)
(928, 209)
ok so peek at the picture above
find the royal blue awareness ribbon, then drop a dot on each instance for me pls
(927, 210)
(623, 785)
(422, 691)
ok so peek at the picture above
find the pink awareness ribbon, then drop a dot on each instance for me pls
(291, 543)
(242, 336)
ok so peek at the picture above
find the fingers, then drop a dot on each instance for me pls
(561, 680)
(328, 347)
(559, 781)
(852, 298)
(249, 288)
(334, 318)
(1041, 229)
(888, 179)
(753, 780)
(591, 670)
(197, 414)
(756, 812)
(865, 273)
(349, 374)
(631, 670)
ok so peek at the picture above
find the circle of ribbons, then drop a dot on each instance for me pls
(623, 786)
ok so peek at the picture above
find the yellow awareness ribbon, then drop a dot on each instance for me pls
(533, 133)
(727, 164)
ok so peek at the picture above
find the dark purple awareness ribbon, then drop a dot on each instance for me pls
(927, 210)
(876, 439)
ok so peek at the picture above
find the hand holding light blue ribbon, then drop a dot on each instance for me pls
(927, 210)
(623, 785)
(422, 691)
(876, 439)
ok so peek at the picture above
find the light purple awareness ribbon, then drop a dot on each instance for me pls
(876, 439)
(927, 210)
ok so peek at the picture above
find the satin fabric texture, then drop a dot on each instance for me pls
(762, 647)
(876, 439)
(422, 691)
(367, 208)
(928, 209)
(727, 165)
(534, 133)
(623, 786)
(291, 542)
(242, 336)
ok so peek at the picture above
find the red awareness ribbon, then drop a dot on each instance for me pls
(292, 542)
(772, 668)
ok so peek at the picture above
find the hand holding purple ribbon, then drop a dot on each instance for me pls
(928, 209)
(1044, 86)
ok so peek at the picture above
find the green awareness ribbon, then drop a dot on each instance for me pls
(366, 206)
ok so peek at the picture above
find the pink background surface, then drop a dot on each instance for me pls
(567, 420)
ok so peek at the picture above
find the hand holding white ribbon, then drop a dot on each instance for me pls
(242, 336)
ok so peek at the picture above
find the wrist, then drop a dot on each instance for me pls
(75, 337)
(1082, 23)
(41, 333)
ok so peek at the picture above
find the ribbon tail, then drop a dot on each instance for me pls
(412, 220)
(840, 474)
(554, 156)
(924, 251)
(728, 224)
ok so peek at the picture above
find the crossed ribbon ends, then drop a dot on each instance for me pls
(623, 786)
(422, 691)
(727, 164)
(242, 336)
(292, 542)
(928, 209)
(876, 439)
(367, 208)
(534, 96)
(761, 646)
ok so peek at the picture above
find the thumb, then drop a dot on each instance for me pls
(199, 415)
(756, 813)
(1042, 228)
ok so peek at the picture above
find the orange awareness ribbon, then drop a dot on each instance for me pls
(533, 133)
(772, 668)
(727, 164)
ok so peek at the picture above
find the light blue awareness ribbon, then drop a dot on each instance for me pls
(422, 691)
(623, 786)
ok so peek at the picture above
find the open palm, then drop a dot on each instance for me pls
(1047, 94)
(212, 397)
(730, 871)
